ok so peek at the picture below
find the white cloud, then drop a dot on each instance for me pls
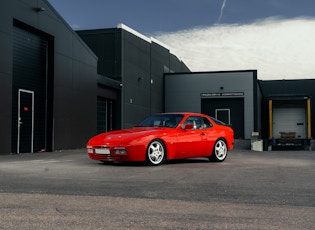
(75, 26)
(277, 48)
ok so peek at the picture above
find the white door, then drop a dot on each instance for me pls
(223, 115)
(25, 139)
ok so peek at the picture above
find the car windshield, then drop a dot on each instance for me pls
(162, 120)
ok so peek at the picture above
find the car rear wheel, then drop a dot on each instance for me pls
(156, 153)
(219, 152)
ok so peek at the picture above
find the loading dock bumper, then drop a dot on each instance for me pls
(290, 142)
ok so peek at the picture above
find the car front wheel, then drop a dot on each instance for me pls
(156, 152)
(219, 151)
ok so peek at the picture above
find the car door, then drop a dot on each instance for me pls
(192, 142)
(211, 134)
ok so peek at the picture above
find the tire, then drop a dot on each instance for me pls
(156, 153)
(219, 152)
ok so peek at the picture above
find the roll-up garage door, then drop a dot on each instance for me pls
(29, 75)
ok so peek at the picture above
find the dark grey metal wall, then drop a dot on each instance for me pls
(139, 63)
(45, 56)
(160, 59)
(106, 44)
(136, 76)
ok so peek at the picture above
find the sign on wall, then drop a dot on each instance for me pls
(223, 94)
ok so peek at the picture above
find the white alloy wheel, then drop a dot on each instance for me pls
(156, 152)
(219, 151)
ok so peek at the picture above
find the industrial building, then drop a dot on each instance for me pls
(59, 87)
(233, 97)
(278, 113)
(47, 77)
(288, 109)
(138, 63)
(56, 92)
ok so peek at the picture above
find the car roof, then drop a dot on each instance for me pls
(184, 113)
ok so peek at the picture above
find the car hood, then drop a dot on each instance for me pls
(125, 135)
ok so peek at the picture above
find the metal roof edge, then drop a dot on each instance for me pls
(134, 32)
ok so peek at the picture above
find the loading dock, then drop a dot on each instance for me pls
(289, 122)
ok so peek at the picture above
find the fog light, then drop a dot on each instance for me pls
(120, 150)
(89, 149)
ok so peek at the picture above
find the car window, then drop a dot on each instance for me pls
(198, 122)
(162, 120)
(206, 123)
(195, 120)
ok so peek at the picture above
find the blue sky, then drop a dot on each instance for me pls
(276, 37)
(150, 16)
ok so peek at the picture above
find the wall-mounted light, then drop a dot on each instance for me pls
(39, 9)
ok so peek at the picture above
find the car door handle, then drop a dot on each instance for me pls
(203, 134)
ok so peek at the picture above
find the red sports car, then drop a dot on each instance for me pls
(163, 137)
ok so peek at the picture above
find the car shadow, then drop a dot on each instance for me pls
(168, 162)
(189, 161)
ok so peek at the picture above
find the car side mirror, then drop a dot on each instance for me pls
(188, 126)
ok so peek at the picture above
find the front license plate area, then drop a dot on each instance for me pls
(102, 151)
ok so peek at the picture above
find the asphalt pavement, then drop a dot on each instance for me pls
(67, 190)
